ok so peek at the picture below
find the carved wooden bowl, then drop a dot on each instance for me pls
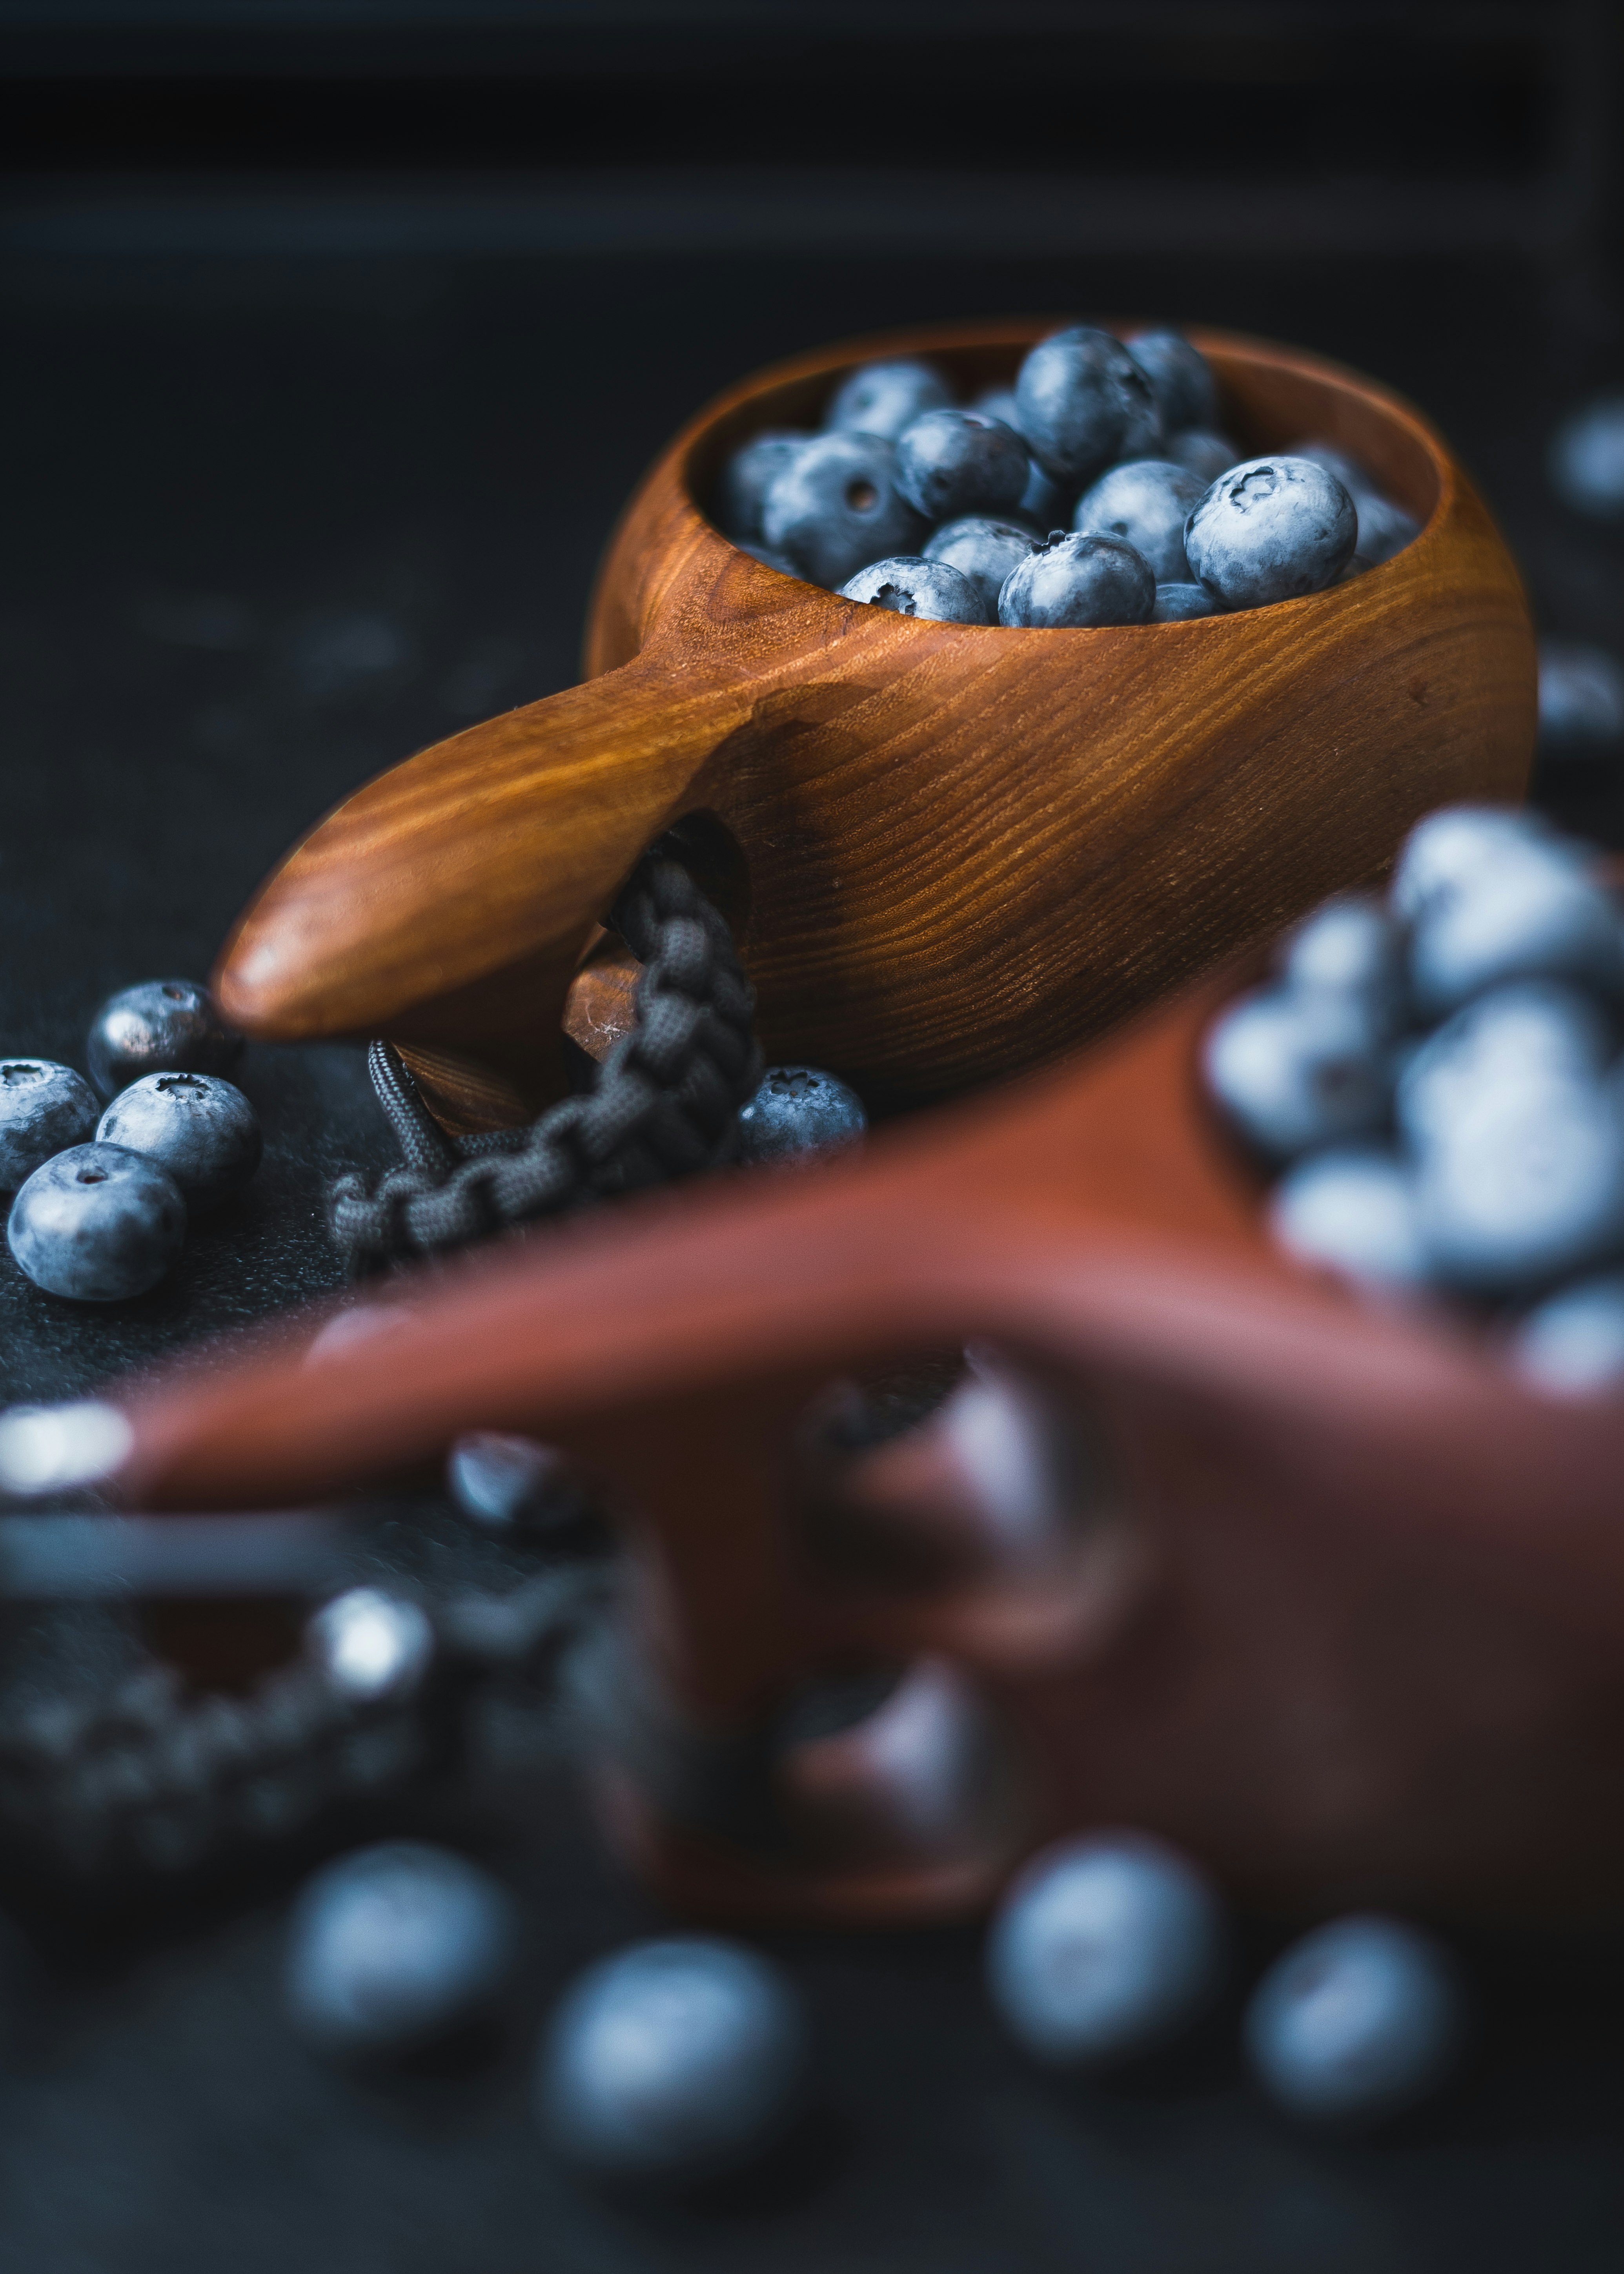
(1325, 1594)
(953, 851)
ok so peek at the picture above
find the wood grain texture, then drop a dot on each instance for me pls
(968, 848)
(1346, 1617)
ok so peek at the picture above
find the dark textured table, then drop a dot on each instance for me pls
(271, 524)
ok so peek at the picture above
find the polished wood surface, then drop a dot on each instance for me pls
(968, 848)
(1320, 1592)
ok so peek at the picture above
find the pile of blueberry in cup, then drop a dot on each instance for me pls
(908, 503)
(1436, 1079)
(103, 1194)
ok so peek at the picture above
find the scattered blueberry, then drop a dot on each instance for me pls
(395, 1947)
(799, 1110)
(1587, 458)
(1350, 946)
(748, 477)
(1516, 1041)
(1351, 1209)
(1581, 700)
(674, 2061)
(984, 550)
(1536, 909)
(1202, 453)
(1445, 854)
(910, 585)
(97, 1222)
(951, 462)
(1083, 402)
(1146, 502)
(836, 506)
(201, 1127)
(1294, 1070)
(1103, 1948)
(44, 1108)
(372, 1644)
(1527, 1189)
(1271, 528)
(1358, 2022)
(1079, 579)
(1180, 380)
(514, 1484)
(159, 1027)
(1572, 1345)
(1182, 604)
(883, 398)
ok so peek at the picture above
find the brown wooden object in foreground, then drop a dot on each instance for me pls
(953, 851)
(1322, 1593)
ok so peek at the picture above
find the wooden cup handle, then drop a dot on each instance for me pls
(446, 905)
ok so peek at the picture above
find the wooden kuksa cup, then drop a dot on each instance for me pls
(951, 851)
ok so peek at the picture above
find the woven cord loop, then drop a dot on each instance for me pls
(664, 1104)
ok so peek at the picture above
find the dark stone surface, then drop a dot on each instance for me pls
(272, 524)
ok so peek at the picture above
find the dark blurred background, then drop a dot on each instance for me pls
(333, 336)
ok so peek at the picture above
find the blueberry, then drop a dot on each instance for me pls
(837, 507)
(1043, 502)
(1104, 1948)
(1080, 580)
(1533, 910)
(1384, 527)
(510, 1483)
(1587, 458)
(951, 462)
(202, 1129)
(1357, 2021)
(1082, 402)
(1572, 1345)
(371, 1645)
(1514, 1041)
(797, 1111)
(1202, 453)
(1271, 528)
(1179, 378)
(162, 1025)
(984, 550)
(1444, 852)
(999, 402)
(748, 477)
(1182, 604)
(395, 1947)
(1526, 1190)
(1351, 1209)
(910, 585)
(674, 2059)
(1294, 1070)
(98, 1224)
(1147, 502)
(883, 398)
(1350, 946)
(769, 559)
(44, 1108)
(1581, 700)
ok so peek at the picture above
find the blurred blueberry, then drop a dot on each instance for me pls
(1581, 700)
(1082, 402)
(799, 1110)
(395, 1947)
(836, 506)
(1182, 604)
(1446, 849)
(1587, 458)
(1526, 1190)
(1514, 1041)
(1293, 1070)
(44, 1108)
(509, 1483)
(984, 550)
(951, 462)
(674, 2061)
(910, 585)
(97, 1224)
(202, 1129)
(1202, 453)
(883, 398)
(1351, 1209)
(1180, 380)
(999, 402)
(371, 1645)
(748, 477)
(1535, 909)
(1080, 580)
(1357, 2021)
(769, 559)
(1572, 1345)
(161, 1026)
(349, 653)
(1104, 1948)
(1350, 946)
(1147, 502)
(1269, 530)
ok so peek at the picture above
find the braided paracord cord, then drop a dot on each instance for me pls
(666, 1103)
